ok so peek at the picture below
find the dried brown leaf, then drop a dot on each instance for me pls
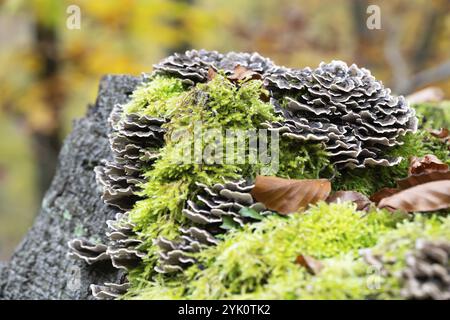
(383, 193)
(312, 265)
(362, 202)
(426, 164)
(429, 196)
(211, 74)
(442, 133)
(241, 73)
(422, 178)
(288, 195)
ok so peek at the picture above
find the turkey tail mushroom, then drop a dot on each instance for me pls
(344, 107)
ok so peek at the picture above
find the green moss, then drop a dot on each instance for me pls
(434, 115)
(341, 278)
(334, 231)
(79, 230)
(270, 248)
(156, 97)
(303, 160)
(157, 290)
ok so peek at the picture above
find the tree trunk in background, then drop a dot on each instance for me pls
(179, 24)
(46, 141)
(39, 268)
(363, 36)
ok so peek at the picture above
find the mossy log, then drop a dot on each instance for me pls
(39, 267)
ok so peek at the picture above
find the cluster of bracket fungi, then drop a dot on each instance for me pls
(214, 205)
(134, 142)
(426, 273)
(345, 108)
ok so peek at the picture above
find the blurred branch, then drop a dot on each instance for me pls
(430, 94)
(404, 80)
(423, 78)
(432, 25)
(394, 57)
(179, 24)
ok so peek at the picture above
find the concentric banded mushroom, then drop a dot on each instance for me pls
(344, 107)
(214, 204)
(134, 142)
(427, 274)
(194, 65)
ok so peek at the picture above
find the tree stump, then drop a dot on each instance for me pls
(39, 267)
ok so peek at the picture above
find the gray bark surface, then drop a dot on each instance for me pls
(71, 208)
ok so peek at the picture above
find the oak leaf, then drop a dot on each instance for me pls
(415, 180)
(442, 133)
(422, 170)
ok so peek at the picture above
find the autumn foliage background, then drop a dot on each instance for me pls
(49, 73)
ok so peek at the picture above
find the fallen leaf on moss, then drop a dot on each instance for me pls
(429, 196)
(422, 170)
(312, 265)
(383, 193)
(289, 195)
(361, 201)
(442, 133)
(241, 73)
(426, 164)
(422, 178)
(211, 74)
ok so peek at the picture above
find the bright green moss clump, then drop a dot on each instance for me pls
(156, 97)
(434, 115)
(271, 247)
(333, 233)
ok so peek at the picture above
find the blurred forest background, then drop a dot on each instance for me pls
(49, 73)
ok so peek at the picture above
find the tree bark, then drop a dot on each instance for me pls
(40, 268)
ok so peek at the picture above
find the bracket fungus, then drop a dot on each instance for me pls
(427, 271)
(194, 65)
(135, 141)
(345, 108)
(216, 208)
